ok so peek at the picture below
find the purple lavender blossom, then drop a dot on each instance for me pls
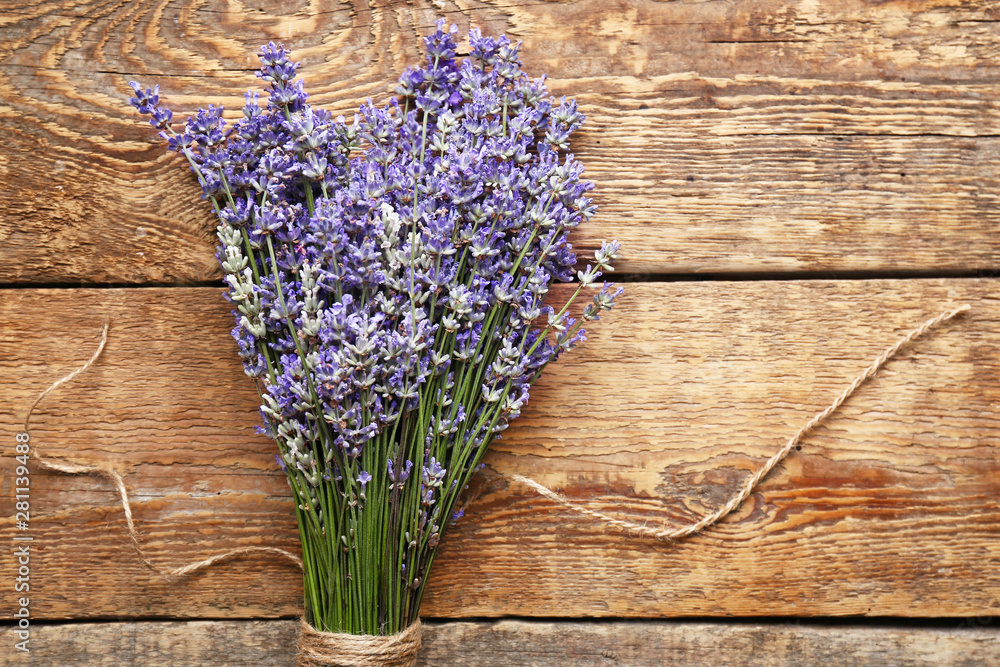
(387, 278)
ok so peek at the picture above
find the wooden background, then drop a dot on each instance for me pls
(795, 185)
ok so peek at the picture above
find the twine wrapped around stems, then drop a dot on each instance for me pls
(334, 649)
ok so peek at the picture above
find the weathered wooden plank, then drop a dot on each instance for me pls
(526, 643)
(724, 137)
(892, 508)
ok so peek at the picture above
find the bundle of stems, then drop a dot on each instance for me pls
(389, 280)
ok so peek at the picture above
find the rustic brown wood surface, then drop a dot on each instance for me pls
(890, 509)
(530, 644)
(792, 137)
(724, 137)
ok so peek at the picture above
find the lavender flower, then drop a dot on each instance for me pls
(388, 276)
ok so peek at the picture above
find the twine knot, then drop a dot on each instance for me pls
(335, 649)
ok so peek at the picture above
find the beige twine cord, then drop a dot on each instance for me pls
(116, 480)
(314, 642)
(334, 649)
(748, 486)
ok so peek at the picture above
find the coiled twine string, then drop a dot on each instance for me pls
(327, 649)
(116, 480)
(755, 479)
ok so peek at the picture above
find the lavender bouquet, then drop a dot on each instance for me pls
(389, 279)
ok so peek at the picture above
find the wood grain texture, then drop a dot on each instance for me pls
(891, 508)
(771, 135)
(526, 644)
